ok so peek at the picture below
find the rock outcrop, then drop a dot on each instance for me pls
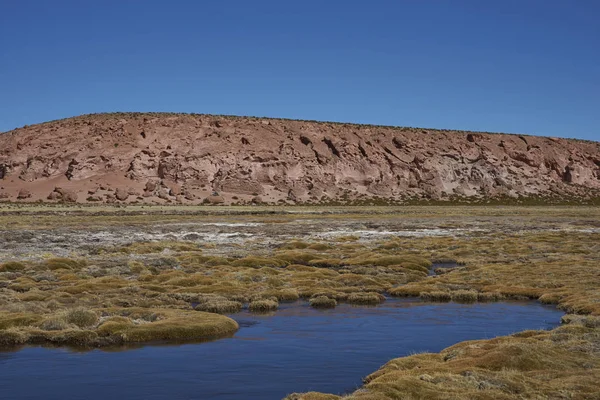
(162, 158)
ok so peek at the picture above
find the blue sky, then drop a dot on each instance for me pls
(527, 66)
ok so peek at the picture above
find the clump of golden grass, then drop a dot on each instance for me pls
(64, 263)
(300, 268)
(368, 298)
(10, 320)
(283, 295)
(311, 396)
(405, 291)
(322, 302)
(12, 266)
(325, 262)
(113, 324)
(258, 262)
(488, 297)
(220, 306)
(550, 298)
(264, 305)
(438, 296)
(122, 326)
(159, 246)
(464, 296)
(55, 324)
(295, 244)
(81, 317)
(296, 257)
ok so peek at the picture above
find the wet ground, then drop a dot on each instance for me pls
(237, 235)
(296, 349)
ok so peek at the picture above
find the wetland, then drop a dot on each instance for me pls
(448, 302)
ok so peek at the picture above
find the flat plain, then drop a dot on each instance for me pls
(101, 276)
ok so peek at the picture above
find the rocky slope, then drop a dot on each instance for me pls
(162, 158)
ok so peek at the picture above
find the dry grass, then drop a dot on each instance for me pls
(261, 306)
(438, 296)
(145, 291)
(220, 306)
(81, 327)
(368, 298)
(322, 302)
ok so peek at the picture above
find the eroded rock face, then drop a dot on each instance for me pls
(185, 158)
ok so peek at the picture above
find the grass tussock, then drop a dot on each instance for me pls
(283, 295)
(220, 306)
(132, 325)
(436, 296)
(12, 266)
(64, 263)
(81, 317)
(264, 305)
(464, 296)
(368, 298)
(322, 302)
(258, 262)
(159, 247)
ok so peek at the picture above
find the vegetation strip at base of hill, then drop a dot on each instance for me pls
(175, 291)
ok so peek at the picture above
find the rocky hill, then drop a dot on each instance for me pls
(180, 158)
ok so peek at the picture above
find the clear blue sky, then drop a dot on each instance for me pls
(527, 66)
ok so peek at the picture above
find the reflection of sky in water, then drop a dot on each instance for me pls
(295, 349)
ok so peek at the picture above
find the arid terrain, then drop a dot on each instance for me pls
(113, 277)
(160, 158)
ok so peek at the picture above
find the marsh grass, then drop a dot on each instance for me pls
(464, 296)
(120, 326)
(322, 302)
(64, 263)
(283, 295)
(362, 298)
(220, 306)
(81, 317)
(55, 324)
(437, 296)
(12, 266)
(263, 306)
(144, 293)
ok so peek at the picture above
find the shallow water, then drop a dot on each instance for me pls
(295, 350)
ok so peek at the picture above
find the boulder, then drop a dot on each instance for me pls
(151, 186)
(174, 189)
(257, 200)
(54, 196)
(214, 199)
(70, 196)
(23, 194)
(121, 194)
(163, 193)
(189, 195)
